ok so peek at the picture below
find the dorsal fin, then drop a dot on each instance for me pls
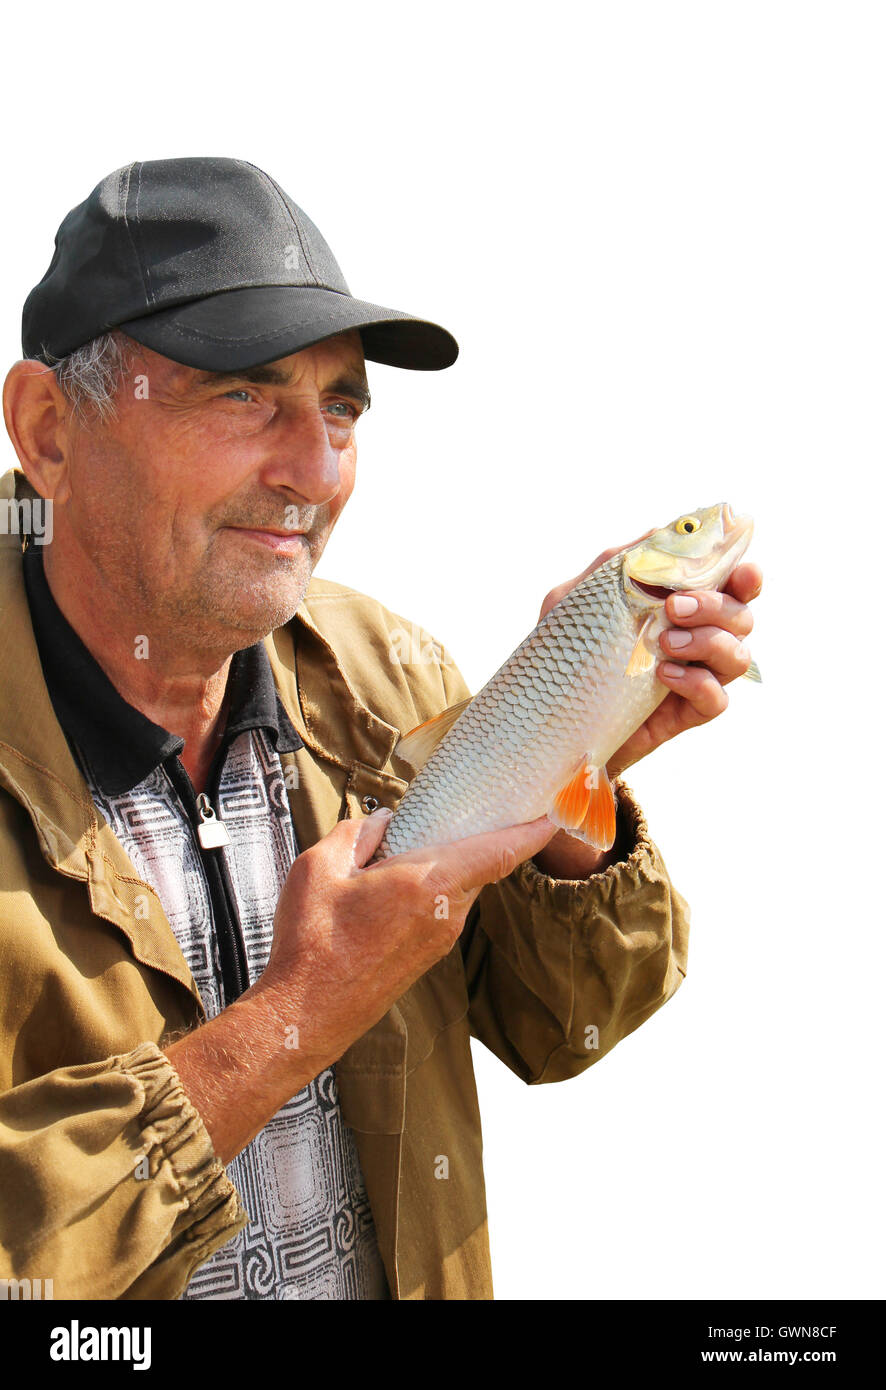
(418, 745)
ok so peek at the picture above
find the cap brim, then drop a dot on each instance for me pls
(247, 328)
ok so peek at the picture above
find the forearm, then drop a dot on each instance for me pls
(241, 1067)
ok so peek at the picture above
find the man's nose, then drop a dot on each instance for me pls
(304, 459)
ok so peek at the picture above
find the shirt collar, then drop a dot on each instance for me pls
(121, 744)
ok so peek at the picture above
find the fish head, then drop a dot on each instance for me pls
(697, 551)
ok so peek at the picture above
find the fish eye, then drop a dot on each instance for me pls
(687, 524)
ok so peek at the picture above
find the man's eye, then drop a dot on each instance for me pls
(345, 411)
(237, 395)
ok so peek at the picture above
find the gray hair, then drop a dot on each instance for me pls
(91, 376)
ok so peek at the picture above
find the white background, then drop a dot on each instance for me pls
(657, 231)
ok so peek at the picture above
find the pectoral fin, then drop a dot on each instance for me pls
(641, 658)
(585, 807)
(418, 745)
(753, 673)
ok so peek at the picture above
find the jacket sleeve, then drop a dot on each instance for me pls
(560, 970)
(108, 1182)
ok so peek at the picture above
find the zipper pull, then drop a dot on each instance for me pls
(211, 831)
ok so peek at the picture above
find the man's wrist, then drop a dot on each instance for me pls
(239, 1068)
(566, 857)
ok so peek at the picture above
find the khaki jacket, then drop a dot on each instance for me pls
(92, 981)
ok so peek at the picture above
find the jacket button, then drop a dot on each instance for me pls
(369, 804)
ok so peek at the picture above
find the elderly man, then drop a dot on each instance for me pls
(236, 1056)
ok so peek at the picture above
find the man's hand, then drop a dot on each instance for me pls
(350, 937)
(716, 629)
(711, 638)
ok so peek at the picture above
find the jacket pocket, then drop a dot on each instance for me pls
(372, 1073)
(434, 1002)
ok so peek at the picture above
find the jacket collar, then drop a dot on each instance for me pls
(327, 713)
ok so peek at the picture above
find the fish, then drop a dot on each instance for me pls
(536, 739)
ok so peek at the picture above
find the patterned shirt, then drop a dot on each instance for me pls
(310, 1234)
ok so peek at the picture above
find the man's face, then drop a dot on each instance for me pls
(207, 502)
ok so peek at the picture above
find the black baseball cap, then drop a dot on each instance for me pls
(211, 264)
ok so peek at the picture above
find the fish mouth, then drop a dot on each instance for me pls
(657, 591)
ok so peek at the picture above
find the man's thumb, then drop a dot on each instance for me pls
(492, 855)
(370, 834)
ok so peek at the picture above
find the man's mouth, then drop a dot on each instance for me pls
(272, 537)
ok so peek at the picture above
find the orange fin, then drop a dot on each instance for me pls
(641, 657)
(418, 745)
(599, 825)
(571, 802)
(585, 807)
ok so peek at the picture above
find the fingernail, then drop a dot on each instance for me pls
(679, 639)
(682, 605)
(381, 811)
(672, 669)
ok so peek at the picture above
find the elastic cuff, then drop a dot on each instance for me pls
(637, 864)
(178, 1143)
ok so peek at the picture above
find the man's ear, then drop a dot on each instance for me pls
(38, 418)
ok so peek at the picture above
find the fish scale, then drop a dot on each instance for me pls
(565, 699)
(549, 705)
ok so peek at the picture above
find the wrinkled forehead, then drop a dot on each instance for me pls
(338, 358)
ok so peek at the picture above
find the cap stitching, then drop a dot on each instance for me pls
(130, 231)
(294, 220)
(145, 264)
